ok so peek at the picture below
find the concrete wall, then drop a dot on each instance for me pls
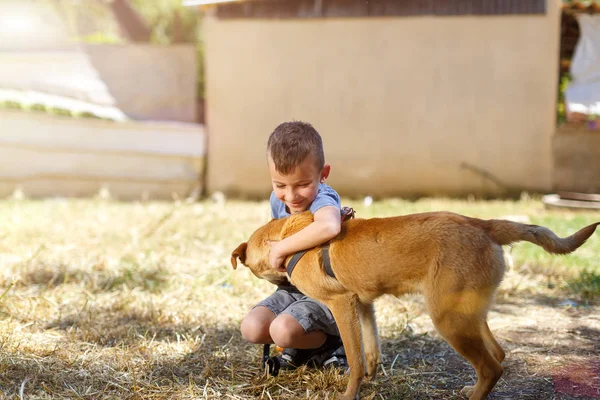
(46, 156)
(149, 82)
(401, 103)
(146, 82)
(576, 160)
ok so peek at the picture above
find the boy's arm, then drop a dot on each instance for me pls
(326, 225)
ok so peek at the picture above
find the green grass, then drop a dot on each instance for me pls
(586, 284)
(41, 108)
(138, 300)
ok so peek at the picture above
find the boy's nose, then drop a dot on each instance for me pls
(291, 196)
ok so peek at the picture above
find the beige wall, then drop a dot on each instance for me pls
(401, 103)
(46, 156)
(146, 82)
(149, 82)
(576, 155)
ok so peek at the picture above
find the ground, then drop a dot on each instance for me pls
(107, 300)
(553, 352)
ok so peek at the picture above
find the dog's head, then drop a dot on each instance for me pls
(254, 253)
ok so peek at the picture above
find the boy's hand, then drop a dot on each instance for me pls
(276, 259)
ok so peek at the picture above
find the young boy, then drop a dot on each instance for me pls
(304, 327)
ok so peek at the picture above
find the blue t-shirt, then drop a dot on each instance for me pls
(326, 196)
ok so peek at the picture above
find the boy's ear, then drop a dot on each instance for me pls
(325, 173)
(239, 252)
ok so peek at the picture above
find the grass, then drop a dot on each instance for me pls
(41, 108)
(101, 299)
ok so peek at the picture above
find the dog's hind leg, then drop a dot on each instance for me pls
(368, 324)
(491, 343)
(464, 332)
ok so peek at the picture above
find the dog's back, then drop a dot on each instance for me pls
(401, 254)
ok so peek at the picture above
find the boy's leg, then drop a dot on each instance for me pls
(255, 325)
(317, 339)
(312, 316)
(286, 332)
(332, 353)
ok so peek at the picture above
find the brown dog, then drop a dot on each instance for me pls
(455, 261)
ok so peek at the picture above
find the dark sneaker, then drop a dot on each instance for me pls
(320, 355)
(332, 359)
(293, 358)
(288, 360)
(338, 362)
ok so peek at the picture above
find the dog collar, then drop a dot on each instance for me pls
(326, 261)
(346, 213)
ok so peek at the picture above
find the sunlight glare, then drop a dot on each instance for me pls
(17, 21)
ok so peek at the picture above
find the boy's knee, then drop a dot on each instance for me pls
(285, 330)
(255, 331)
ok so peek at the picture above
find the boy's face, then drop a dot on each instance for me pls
(299, 188)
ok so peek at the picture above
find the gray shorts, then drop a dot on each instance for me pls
(312, 315)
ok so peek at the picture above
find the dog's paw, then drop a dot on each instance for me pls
(467, 391)
(372, 365)
(371, 372)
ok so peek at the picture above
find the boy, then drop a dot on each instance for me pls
(304, 327)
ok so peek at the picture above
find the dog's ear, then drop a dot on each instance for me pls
(239, 252)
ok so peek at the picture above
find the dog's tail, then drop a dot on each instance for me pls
(507, 232)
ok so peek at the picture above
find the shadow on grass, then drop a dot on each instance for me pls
(137, 370)
(577, 341)
(222, 364)
(561, 301)
(97, 278)
(426, 367)
(130, 351)
(116, 326)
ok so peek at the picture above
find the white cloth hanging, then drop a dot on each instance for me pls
(583, 93)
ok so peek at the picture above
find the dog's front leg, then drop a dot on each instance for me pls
(344, 310)
(370, 338)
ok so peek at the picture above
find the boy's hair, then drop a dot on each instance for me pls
(290, 144)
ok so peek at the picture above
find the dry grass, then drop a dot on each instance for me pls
(109, 300)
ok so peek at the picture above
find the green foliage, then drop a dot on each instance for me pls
(102, 37)
(169, 22)
(37, 107)
(86, 114)
(59, 111)
(11, 105)
(41, 108)
(200, 70)
(161, 17)
(561, 112)
(587, 284)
